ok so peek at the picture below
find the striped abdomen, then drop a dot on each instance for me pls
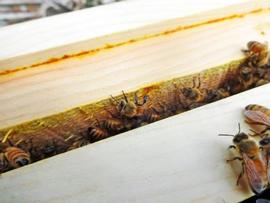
(152, 117)
(3, 163)
(114, 124)
(96, 134)
(16, 157)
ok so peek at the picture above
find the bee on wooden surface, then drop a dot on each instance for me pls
(252, 163)
(258, 115)
(78, 140)
(114, 123)
(246, 77)
(17, 157)
(130, 109)
(195, 96)
(261, 82)
(4, 166)
(151, 115)
(218, 94)
(257, 53)
(43, 143)
(97, 133)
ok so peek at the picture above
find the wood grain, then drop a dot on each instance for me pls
(53, 37)
(55, 87)
(168, 161)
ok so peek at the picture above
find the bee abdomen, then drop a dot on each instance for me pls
(4, 166)
(96, 134)
(114, 124)
(17, 157)
(152, 117)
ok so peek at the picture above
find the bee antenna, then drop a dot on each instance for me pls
(239, 128)
(226, 135)
(125, 96)
(114, 99)
(194, 83)
(199, 81)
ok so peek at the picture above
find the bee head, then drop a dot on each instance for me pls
(127, 108)
(246, 72)
(190, 92)
(265, 141)
(240, 137)
(250, 44)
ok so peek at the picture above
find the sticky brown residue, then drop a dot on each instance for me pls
(138, 39)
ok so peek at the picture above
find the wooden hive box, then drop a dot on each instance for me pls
(48, 66)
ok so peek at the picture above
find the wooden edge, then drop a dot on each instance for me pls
(181, 158)
(43, 48)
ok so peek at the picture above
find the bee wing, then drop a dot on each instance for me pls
(256, 174)
(258, 117)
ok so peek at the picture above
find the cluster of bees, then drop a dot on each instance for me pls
(254, 157)
(127, 114)
(253, 72)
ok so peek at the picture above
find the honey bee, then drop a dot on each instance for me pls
(12, 156)
(130, 109)
(252, 163)
(218, 94)
(258, 115)
(113, 123)
(4, 166)
(261, 82)
(151, 115)
(246, 77)
(16, 157)
(265, 146)
(195, 96)
(257, 52)
(97, 133)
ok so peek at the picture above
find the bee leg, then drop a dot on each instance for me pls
(136, 100)
(235, 158)
(253, 123)
(145, 99)
(246, 52)
(262, 134)
(232, 147)
(240, 175)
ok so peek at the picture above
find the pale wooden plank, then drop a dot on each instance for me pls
(19, 2)
(123, 16)
(180, 159)
(56, 87)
